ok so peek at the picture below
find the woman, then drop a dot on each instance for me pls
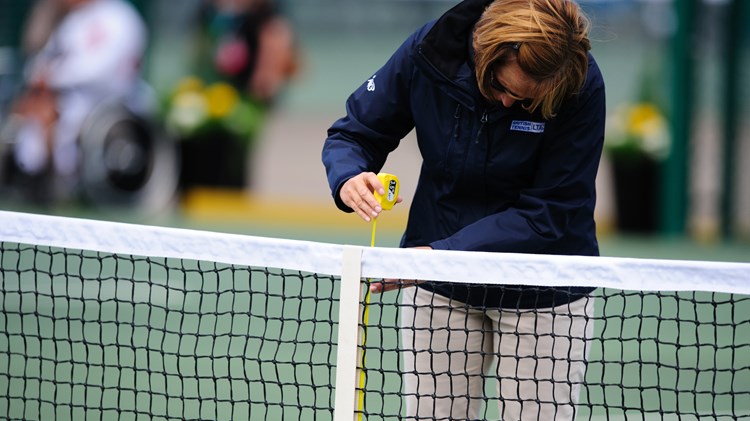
(508, 107)
(256, 48)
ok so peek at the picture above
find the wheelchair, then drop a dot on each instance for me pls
(127, 162)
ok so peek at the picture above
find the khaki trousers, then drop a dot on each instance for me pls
(539, 358)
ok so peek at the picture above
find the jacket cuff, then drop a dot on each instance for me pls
(441, 245)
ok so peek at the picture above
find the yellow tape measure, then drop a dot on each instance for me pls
(391, 185)
(386, 201)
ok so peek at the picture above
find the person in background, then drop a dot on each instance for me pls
(247, 50)
(83, 53)
(509, 108)
(255, 48)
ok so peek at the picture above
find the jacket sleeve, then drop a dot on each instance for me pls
(558, 206)
(378, 116)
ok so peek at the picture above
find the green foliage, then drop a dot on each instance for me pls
(194, 109)
(637, 130)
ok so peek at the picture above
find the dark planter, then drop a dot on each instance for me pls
(637, 193)
(213, 159)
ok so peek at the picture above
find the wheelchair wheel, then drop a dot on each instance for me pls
(128, 162)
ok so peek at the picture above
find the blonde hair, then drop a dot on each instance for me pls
(547, 38)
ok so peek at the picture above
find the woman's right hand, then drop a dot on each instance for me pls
(357, 193)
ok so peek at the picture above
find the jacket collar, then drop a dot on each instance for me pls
(448, 48)
(445, 46)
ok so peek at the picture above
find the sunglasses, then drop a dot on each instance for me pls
(500, 88)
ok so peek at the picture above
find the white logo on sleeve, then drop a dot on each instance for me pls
(371, 83)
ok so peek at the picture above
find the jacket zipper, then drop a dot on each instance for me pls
(456, 120)
(483, 121)
(454, 137)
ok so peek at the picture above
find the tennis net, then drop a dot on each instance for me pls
(102, 320)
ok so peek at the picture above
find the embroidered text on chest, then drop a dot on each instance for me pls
(527, 126)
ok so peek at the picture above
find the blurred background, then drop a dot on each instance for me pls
(221, 121)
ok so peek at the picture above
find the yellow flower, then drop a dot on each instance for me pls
(638, 128)
(188, 84)
(221, 99)
(642, 118)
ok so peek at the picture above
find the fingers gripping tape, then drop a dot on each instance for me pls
(391, 186)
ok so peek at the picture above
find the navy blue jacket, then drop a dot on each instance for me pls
(492, 178)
